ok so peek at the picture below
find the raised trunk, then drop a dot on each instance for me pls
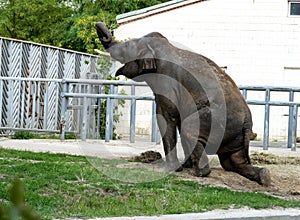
(105, 35)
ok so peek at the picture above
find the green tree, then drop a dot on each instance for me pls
(63, 23)
(34, 20)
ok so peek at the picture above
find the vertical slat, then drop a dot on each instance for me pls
(84, 119)
(63, 114)
(57, 94)
(1, 100)
(89, 113)
(132, 115)
(111, 129)
(266, 120)
(244, 94)
(69, 73)
(4, 71)
(23, 102)
(99, 114)
(15, 70)
(291, 120)
(45, 116)
(108, 119)
(294, 128)
(52, 73)
(33, 111)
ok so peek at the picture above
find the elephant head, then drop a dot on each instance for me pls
(137, 54)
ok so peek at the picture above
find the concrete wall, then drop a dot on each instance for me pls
(256, 39)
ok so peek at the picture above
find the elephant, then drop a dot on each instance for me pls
(194, 96)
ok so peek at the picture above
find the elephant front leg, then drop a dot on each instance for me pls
(168, 132)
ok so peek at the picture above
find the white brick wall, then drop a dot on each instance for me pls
(255, 39)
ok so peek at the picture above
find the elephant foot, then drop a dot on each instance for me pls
(175, 166)
(179, 169)
(264, 177)
(188, 163)
(201, 172)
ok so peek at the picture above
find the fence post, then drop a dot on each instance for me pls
(84, 119)
(291, 121)
(244, 93)
(109, 117)
(294, 128)
(154, 125)
(99, 114)
(132, 115)
(266, 120)
(64, 112)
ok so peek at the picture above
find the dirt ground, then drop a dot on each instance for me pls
(284, 169)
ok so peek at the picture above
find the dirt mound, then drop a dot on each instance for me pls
(148, 157)
(263, 158)
(285, 174)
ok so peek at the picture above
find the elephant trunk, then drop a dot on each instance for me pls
(104, 35)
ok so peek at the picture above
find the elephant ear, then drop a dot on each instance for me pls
(148, 52)
(146, 57)
(148, 64)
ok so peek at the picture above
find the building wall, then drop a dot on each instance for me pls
(255, 39)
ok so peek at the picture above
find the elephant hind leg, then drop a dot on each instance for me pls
(200, 161)
(225, 162)
(239, 162)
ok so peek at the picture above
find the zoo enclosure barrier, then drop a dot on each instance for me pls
(77, 106)
(293, 110)
(155, 137)
(30, 83)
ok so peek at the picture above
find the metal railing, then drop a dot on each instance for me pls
(90, 106)
(293, 110)
(74, 106)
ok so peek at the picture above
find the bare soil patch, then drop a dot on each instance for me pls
(285, 174)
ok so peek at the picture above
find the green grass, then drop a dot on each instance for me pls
(61, 186)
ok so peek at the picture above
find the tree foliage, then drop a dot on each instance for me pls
(63, 23)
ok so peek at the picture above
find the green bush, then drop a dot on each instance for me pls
(23, 135)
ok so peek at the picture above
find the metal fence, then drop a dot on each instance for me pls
(74, 106)
(87, 107)
(291, 103)
(89, 94)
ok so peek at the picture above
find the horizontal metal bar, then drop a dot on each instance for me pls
(77, 81)
(112, 96)
(129, 83)
(276, 103)
(105, 82)
(31, 79)
(38, 130)
(271, 88)
(29, 129)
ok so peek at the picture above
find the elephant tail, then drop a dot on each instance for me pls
(247, 130)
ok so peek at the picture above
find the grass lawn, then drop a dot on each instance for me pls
(60, 186)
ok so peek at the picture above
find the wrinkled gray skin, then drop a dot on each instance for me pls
(195, 96)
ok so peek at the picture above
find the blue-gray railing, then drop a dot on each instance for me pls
(293, 110)
(89, 84)
(77, 106)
